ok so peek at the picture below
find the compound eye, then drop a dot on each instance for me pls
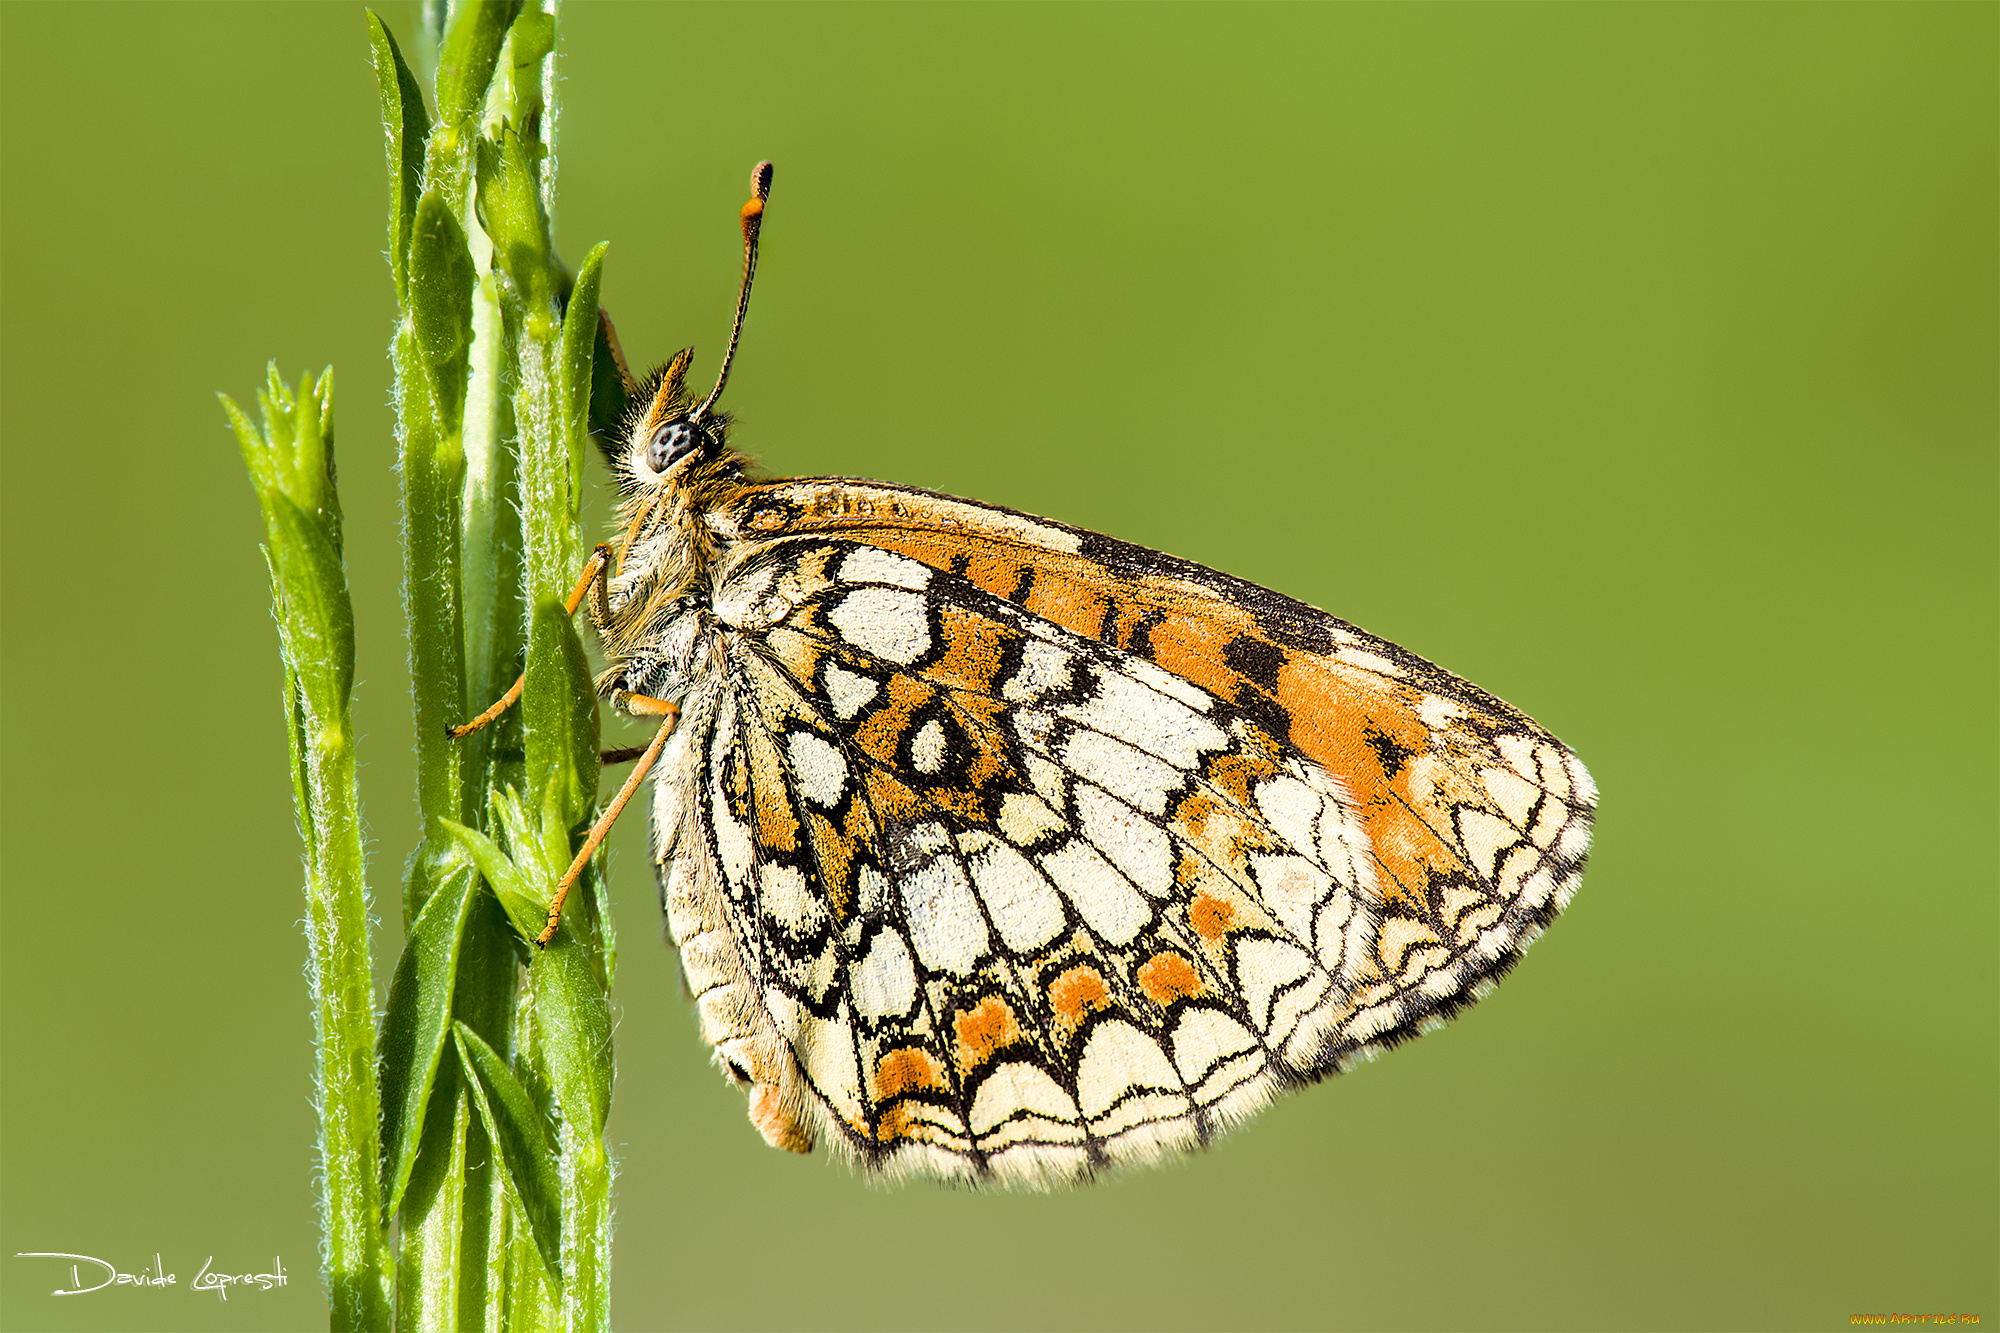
(670, 443)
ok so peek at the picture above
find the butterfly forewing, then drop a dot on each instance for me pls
(1005, 851)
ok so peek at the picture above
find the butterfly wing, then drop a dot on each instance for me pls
(1005, 851)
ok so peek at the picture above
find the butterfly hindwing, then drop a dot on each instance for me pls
(1038, 852)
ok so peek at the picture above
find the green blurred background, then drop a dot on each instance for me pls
(1637, 362)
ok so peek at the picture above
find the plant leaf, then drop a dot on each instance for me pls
(319, 619)
(258, 457)
(518, 85)
(559, 710)
(466, 56)
(515, 890)
(406, 125)
(573, 1013)
(527, 1149)
(441, 282)
(415, 1027)
(509, 207)
(580, 334)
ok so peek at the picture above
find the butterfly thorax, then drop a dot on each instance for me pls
(659, 594)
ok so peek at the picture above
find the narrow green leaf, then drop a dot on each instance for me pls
(406, 125)
(432, 472)
(581, 330)
(275, 401)
(490, 558)
(321, 395)
(295, 743)
(518, 83)
(527, 1148)
(555, 829)
(258, 457)
(573, 1013)
(319, 618)
(442, 277)
(515, 890)
(509, 207)
(312, 458)
(466, 56)
(415, 1026)
(559, 710)
(525, 838)
(432, 1249)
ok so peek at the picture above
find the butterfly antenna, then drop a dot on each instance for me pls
(753, 220)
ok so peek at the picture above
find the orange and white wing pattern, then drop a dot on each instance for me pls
(1007, 852)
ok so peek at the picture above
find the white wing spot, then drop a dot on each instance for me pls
(1204, 1039)
(1045, 669)
(1132, 775)
(1134, 844)
(1022, 903)
(1519, 751)
(874, 892)
(946, 925)
(885, 981)
(1292, 807)
(927, 747)
(1291, 888)
(1109, 905)
(1118, 1059)
(887, 622)
(871, 564)
(1025, 819)
(829, 1061)
(1439, 713)
(821, 769)
(1514, 794)
(847, 692)
(1014, 1088)
(1484, 838)
(786, 898)
(1367, 661)
(1049, 782)
(1124, 708)
(1555, 773)
(1263, 967)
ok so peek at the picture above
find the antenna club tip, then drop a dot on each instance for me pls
(753, 218)
(760, 181)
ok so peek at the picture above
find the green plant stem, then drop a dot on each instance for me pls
(490, 561)
(586, 1238)
(337, 925)
(291, 468)
(433, 469)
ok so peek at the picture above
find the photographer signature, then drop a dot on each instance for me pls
(158, 1276)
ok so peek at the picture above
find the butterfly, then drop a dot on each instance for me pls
(1006, 852)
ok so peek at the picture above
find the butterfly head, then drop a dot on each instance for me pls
(667, 441)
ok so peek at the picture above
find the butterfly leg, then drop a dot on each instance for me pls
(642, 706)
(597, 573)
